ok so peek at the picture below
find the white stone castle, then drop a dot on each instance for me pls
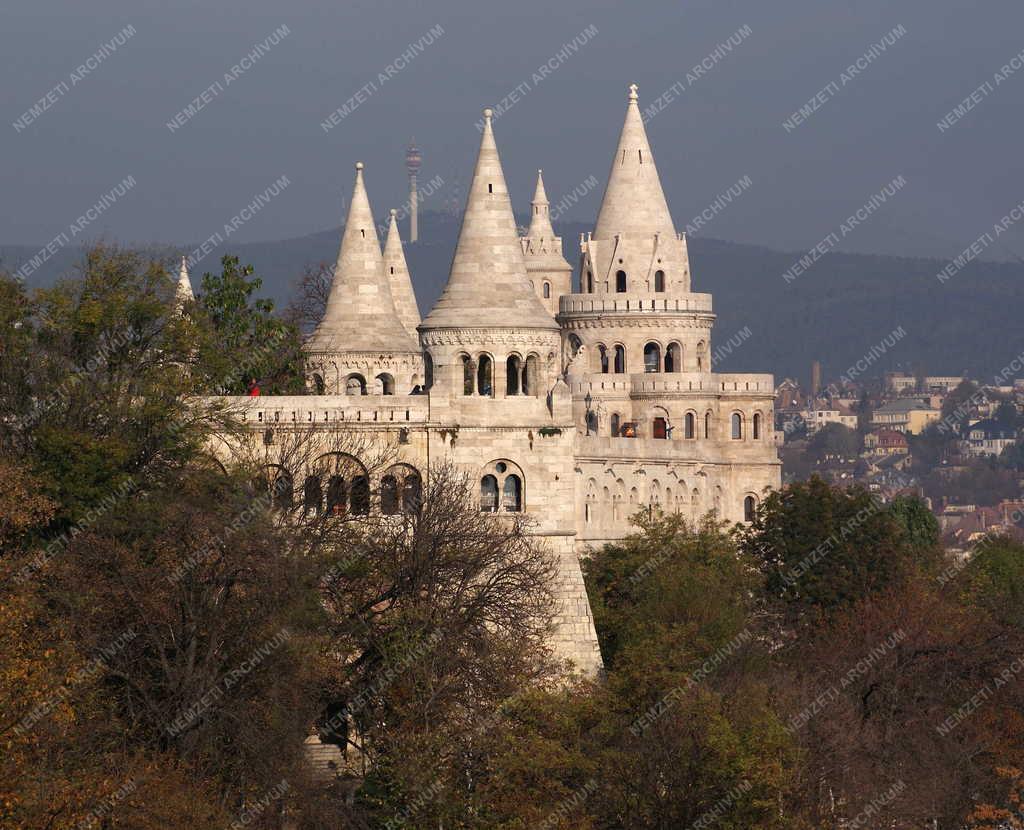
(577, 406)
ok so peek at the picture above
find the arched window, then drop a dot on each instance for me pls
(337, 496)
(659, 280)
(360, 496)
(590, 283)
(319, 387)
(591, 419)
(620, 359)
(488, 494)
(652, 358)
(468, 375)
(412, 493)
(389, 495)
(737, 426)
(749, 508)
(615, 425)
(484, 376)
(513, 368)
(660, 429)
(385, 384)
(690, 428)
(512, 495)
(702, 357)
(547, 290)
(312, 495)
(530, 376)
(674, 358)
(355, 385)
(756, 426)
(707, 424)
(501, 488)
(602, 353)
(620, 282)
(283, 489)
(428, 370)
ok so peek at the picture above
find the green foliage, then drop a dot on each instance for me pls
(956, 405)
(932, 446)
(994, 580)
(920, 527)
(105, 362)
(821, 548)
(687, 723)
(1006, 414)
(668, 587)
(836, 440)
(984, 482)
(245, 340)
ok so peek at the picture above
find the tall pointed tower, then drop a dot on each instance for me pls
(399, 279)
(361, 346)
(549, 273)
(498, 401)
(638, 352)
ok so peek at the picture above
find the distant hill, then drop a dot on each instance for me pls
(835, 312)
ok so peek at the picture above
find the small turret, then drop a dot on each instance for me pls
(546, 267)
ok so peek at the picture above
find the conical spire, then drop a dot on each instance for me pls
(184, 292)
(634, 203)
(488, 285)
(540, 216)
(360, 314)
(399, 279)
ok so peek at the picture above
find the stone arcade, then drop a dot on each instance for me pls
(578, 407)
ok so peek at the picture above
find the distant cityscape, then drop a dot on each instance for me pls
(952, 440)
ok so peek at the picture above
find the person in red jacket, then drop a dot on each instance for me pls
(254, 389)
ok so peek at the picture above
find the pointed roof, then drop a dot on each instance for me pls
(488, 285)
(540, 216)
(542, 249)
(183, 292)
(399, 278)
(634, 203)
(360, 314)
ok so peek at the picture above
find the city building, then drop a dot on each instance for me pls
(988, 437)
(885, 442)
(818, 418)
(910, 415)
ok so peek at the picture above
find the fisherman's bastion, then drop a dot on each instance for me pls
(578, 402)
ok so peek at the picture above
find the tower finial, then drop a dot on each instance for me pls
(488, 112)
(632, 92)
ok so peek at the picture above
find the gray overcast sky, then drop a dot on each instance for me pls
(726, 125)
